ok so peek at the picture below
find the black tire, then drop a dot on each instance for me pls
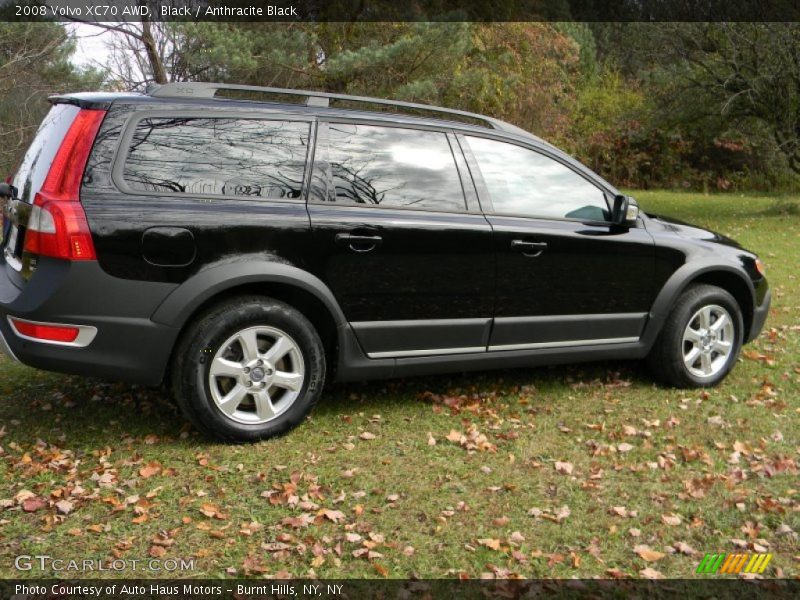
(205, 338)
(666, 359)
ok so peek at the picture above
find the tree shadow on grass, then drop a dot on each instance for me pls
(552, 380)
(782, 207)
(94, 413)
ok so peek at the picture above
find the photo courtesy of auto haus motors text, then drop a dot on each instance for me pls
(367, 299)
(124, 590)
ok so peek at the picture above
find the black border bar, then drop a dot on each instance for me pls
(401, 10)
(721, 588)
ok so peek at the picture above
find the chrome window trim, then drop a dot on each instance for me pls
(431, 352)
(565, 344)
(531, 346)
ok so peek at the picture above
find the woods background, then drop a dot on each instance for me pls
(698, 106)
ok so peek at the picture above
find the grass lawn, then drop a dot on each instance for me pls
(578, 471)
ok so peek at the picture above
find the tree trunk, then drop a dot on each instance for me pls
(159, 73)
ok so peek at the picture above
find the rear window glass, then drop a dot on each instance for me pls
(40, 154)
(219, 157)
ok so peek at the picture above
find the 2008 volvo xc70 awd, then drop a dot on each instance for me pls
(245, 251)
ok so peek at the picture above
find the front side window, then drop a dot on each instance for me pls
(390, 167)
(525, 183)
(220, 157)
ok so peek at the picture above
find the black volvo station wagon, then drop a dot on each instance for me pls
(245, 251)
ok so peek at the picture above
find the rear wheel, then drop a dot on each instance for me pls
(701, 339)
(249, 369)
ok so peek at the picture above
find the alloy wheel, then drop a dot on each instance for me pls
(708, 341)
(256, 375)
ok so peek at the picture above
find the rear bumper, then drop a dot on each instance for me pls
(759, 317)
(128, 346)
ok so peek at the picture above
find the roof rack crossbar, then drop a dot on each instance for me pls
(208, 90)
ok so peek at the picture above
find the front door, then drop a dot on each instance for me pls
(403, 248)
(566, 275)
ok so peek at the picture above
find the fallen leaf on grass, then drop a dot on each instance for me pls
(492, 543)
(557, 516)
(615, 573)
(23, 495)
(211, 510)
(366, 435)
(471, 440)
(647, 553)
(684, 548)
(672, 519)
(332, 515)
(64, 507)
(33, 504)
(304, 520)
(564, 468)
(150, 469)
(650, 573)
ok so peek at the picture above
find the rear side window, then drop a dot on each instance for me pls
(389, 166)
(218, 157)
(36, 163)
(522, 182)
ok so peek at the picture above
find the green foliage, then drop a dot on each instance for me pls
(681, 105)
(610, 93)
(34, 63)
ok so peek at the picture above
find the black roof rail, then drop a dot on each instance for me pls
(187, 89)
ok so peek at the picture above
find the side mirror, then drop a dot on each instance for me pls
(625, 210)
(6, 190)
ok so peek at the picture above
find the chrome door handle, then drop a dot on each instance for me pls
(359, 243)
(532, 249)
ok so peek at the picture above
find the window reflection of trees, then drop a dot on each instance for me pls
(382, 166)
(229, 157)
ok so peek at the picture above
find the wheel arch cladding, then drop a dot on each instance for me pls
(731, 279)
(736, 287)
(288, 284)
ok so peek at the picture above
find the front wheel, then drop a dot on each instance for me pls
(249, 369)
(701, 339)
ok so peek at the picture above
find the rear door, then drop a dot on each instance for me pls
(566, 275)
(400, 240)
(194, 189)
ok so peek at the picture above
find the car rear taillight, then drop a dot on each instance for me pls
(45, 333)
(57, 226)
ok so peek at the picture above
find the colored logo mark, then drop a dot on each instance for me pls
(734, 563)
